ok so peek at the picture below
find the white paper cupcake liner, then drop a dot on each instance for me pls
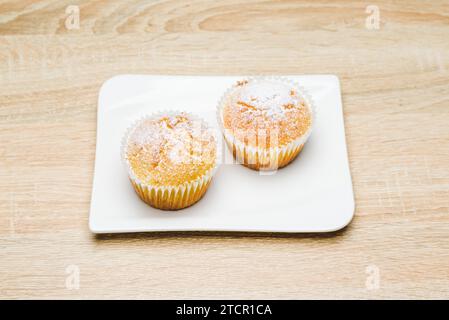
(170, 197)
(260, 158)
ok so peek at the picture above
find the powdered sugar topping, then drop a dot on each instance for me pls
(269, 98)
(168, 149)
(259, 108)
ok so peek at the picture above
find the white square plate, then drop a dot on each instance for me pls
(312, 194)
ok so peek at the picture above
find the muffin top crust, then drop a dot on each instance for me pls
(169, 150)
(266, 113)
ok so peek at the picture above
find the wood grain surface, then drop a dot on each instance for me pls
(395, 87)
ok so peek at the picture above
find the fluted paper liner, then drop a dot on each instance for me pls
(259, 158)
(169, 197)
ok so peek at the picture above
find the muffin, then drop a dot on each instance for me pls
(170, 159)
(265, 121)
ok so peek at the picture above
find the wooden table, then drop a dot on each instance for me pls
(395, 85)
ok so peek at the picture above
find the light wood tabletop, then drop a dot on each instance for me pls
(394, 74)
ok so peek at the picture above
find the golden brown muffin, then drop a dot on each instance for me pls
(170, 159)
(265, 122)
